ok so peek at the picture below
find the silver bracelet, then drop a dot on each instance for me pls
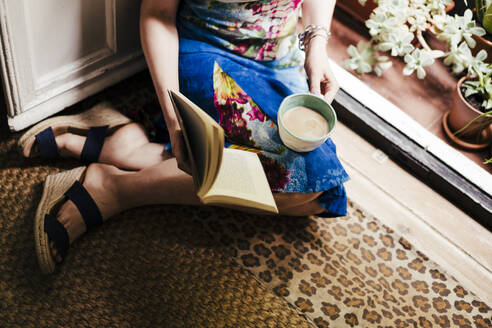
(310, 32)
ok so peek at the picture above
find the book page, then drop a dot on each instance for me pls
(241, 181)
(204, 140)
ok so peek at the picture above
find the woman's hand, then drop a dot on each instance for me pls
(321, 78)
(179, 147)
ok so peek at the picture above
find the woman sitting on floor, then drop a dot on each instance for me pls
(236, 60)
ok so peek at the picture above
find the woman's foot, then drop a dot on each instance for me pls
(99, 182)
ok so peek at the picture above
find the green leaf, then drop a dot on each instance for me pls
(469, 92)
(487, 20)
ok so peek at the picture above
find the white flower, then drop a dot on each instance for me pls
(364, 59)
(396, 8)
(382, 65)
(361, 58)
(394, 24)
(457, 57)
(416, 61)
(450, 31)
(393, 4)
(437, 6)
(379, 23)
(477, 64)
(399, 42)
(438, 22)
(460, 27)
(468, 28)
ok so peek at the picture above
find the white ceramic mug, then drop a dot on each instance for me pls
(313, 102)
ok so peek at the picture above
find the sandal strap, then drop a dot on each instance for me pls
(57, 233)
(94, 143)
(47, 144)
(85, 204)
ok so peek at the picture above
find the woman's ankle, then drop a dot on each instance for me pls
(112, 184)
(70, 145)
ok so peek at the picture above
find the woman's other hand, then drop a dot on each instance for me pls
(178, 146)
(321, 78)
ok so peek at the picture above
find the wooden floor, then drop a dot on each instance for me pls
(427, 220)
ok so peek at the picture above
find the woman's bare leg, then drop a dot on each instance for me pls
(115, 190)
(290, 200)
(308, 208)
(127, 148)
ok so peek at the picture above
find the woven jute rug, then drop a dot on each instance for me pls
(176, 266)
(149, 267)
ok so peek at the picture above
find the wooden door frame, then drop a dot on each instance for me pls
(106, 71)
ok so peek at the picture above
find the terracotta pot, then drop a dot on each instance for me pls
(482, 43)
(450, 7)
(356, 10)
(484, 139)
(461, 114)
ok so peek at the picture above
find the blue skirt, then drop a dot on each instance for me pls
(243, 96)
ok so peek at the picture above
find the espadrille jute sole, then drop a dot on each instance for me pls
(55, 187)
(101, 114)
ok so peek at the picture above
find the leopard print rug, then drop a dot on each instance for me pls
(347, 272)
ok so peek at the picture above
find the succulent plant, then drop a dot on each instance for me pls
(395, 24)
(364, 59)
(484, 13)
(481, 84)
(416, 61)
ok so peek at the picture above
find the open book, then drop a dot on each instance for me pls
(221, 176)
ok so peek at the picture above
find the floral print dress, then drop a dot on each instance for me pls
(237, 61)
(260, 30)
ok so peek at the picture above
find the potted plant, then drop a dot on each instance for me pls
(396, 25)
(484, 121)
(483, 13)
(469, 122)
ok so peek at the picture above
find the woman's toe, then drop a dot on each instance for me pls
(54, 252)
(52, 248)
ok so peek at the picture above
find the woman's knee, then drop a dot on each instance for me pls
(286, 199)
(310, 208)
(298, 203)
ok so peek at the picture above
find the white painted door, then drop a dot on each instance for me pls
(57, 52)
